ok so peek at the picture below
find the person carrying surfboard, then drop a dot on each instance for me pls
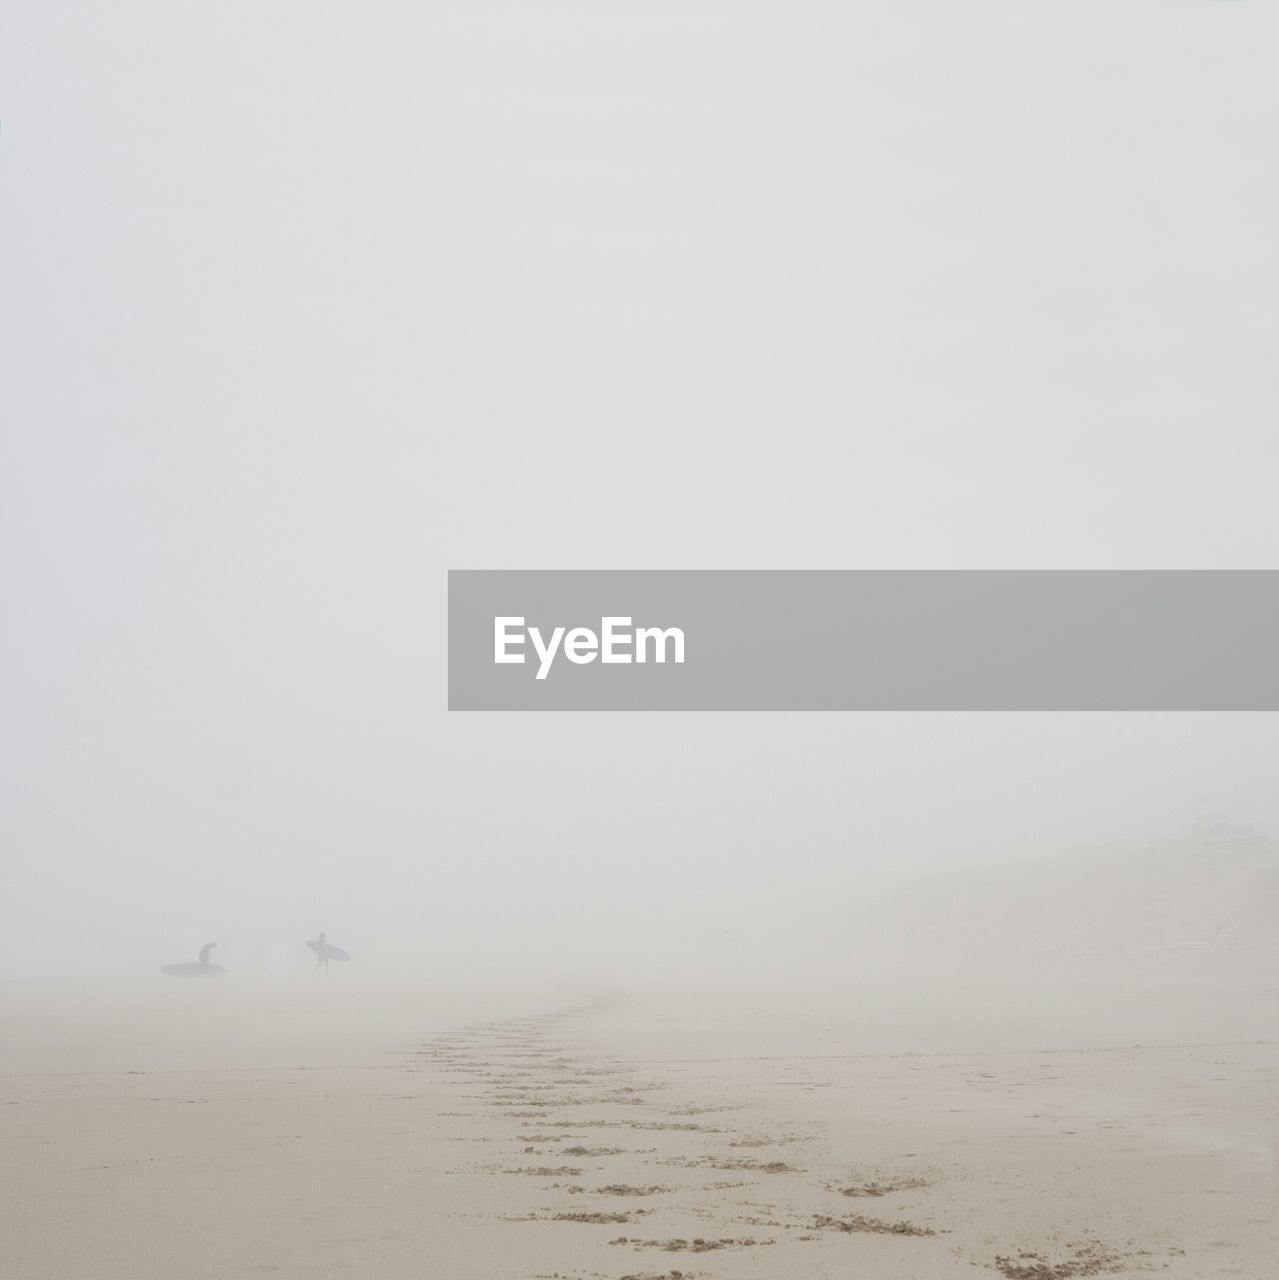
(326, 951)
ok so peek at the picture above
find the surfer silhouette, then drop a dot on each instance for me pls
(203, 968)
(326, 952)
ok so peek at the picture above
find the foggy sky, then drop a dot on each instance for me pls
(304, 305)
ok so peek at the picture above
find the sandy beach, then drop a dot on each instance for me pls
(607, 1138)
(638, 641)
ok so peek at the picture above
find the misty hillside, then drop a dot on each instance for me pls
(1214, 892)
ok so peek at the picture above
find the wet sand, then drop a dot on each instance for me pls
(548, 1145)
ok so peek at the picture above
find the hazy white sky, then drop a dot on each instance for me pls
(303, 304)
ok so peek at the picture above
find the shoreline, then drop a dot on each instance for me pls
(540, 1145)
